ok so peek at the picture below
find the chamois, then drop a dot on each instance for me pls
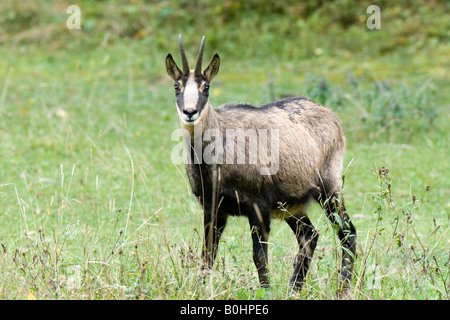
(305, 162)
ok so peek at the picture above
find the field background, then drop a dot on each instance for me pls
(91, 206)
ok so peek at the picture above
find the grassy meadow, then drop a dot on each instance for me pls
(92, 207)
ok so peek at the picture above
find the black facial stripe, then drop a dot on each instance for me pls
(201, 102)
(180, 97)
(202, 97)
(180, 100)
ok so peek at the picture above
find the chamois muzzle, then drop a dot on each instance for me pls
(190, 114)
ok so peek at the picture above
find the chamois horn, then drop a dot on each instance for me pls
(183, 58)
(198, 65)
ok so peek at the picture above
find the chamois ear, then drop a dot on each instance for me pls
(210, 72)
(172, 69)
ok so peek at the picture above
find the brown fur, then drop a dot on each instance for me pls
(311, 150)
(309, 163)
(311, 147)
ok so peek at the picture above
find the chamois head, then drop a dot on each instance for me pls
(192, 86)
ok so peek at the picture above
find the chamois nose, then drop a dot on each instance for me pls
(190, 113)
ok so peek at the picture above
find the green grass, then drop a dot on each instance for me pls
(93, 208)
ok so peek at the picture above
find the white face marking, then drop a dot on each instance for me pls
(190, 95)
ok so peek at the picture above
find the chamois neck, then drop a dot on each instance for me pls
(210, 120)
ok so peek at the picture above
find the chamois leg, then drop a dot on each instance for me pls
(214, 227)
(307, 238)
(260, 228)
(347, 235)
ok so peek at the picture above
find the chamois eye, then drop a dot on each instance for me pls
(206, 88)
(177, 87)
